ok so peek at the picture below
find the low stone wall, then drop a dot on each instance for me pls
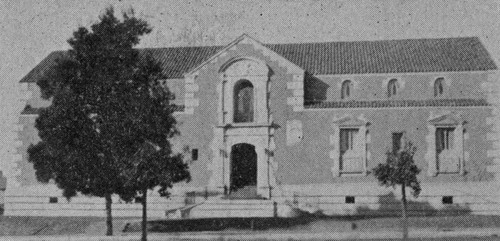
(47, 200)
(371, 199)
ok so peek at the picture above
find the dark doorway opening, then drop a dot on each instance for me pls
(243, 166)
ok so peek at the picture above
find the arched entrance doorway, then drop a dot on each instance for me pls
(243, 166)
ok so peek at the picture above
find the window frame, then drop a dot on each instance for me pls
(439, 87)
(350, 138)
(346, 89)
(401, 138)
(242, 117)
(456, 151)
(445, 134)
(392, 87)
(448, 147)
(362, 140)
(194, 154)
(352, 135)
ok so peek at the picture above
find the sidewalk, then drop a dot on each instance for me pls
(340, 228)
(356, 235)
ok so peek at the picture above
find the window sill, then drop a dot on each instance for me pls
(448, 173)
(353, 174)
(249, 124)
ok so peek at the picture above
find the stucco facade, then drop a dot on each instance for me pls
(314, 146)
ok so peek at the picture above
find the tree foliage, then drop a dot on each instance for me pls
(107, 105)
(399, 169)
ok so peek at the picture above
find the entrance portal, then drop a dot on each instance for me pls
(243, 166)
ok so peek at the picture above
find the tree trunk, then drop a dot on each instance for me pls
(144, 216)
(404, 215)
(109, 218)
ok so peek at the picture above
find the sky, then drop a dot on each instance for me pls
(31, 29)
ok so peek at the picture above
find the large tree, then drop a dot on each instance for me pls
(400, 170)
(106, 104)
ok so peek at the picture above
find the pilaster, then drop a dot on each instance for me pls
(492, 89)
(297, 88)
(191, 87)
(11, 168)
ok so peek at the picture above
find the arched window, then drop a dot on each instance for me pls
(392, 87)
(243, 101)
(346, 89)
(438, 87)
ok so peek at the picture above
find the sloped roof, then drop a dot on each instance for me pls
(395, 103)
(330, 58)
(28, 110)
(389, 56)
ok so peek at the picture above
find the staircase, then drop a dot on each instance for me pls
(247, 192)
(241, 203)
(222, 207)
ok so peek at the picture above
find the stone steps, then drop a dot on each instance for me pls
(247, 192)
(218, 207)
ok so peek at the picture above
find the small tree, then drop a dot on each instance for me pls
(400, 169)
(107, 104)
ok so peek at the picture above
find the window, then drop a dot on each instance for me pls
(347, 137)
(438, 87)
(350, 148)
(392, 87)
(346, 89)
(243, 101)
(447, 200)
(447, 160)
(350, 199)
(53, 200)
(444, 139)
(397, 141)
(194, 154)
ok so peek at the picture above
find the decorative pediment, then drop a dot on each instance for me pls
(449, 119)
(245, 39)
(349, 121)
(245, 67)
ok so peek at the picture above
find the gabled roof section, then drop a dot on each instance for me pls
(258, 45)
(177, 61)
(329, 58)
(43, 68)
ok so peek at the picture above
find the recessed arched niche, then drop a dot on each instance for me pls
(244, 85)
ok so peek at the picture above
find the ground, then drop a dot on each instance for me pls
(319, 224)
(92, 226)
(39, 226)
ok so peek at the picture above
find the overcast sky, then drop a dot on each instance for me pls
(31, 29)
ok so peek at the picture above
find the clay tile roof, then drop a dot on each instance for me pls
(178, 61)
(44, 67)
(28, 110)
(329, 58)
(389, 56)
(395, 103)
